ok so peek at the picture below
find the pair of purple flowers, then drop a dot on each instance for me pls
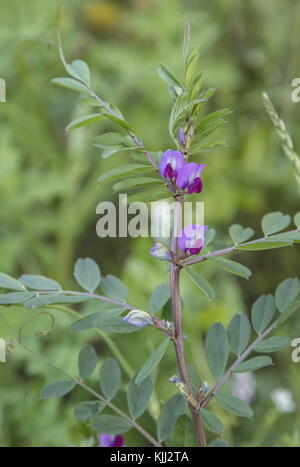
(190, 241)
(185, 176)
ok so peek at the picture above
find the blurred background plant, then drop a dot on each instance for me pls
(49, 191)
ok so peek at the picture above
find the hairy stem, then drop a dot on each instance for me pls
(178, 326)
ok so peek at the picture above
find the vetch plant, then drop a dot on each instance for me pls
(187, 417)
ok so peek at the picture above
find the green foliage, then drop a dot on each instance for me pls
(39, 282)
(184, 433)
(274, 222)
(152, 362)
(52, 299)
(253, 364)
(8, 282)
(272, 344)
(108, 321)
(87, 410)
(201, 282)
(209, 237)
(267, 244)
(218, 443)
(159, 298)
(133, 183)
(231, 266)
(239, 332)
(217, 349)
(99, 318)
(286, 292)
(57, 389)
(138, 396)
(168, 416)
(297, 220)
(110, 378)
(234, 405)
(112, 143)
(87, 274)
(175, 88)
(119, 172)
(211, 422)
(240, 234)
(110, 424)
(87, 361)
(113, 287)
(262, 312)
(15, 297)
(56, 185)
(289, 311)
(80, 71)
(71, 84)
(83, 121)
(188, 104)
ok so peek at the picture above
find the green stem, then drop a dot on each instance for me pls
(86, 294)
(115, 351)
(98, 396)
(230, 249)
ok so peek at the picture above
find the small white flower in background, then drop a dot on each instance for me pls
(244, 386)
(283, 399)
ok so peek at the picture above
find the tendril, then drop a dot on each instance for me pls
(41, 333)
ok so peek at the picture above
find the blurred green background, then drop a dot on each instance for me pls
(49, 193)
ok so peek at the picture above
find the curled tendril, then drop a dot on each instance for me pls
(41, 333)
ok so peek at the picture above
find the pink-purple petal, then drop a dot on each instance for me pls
(110, 441)
(187, 177)
(171, 161)
(191, 239)
(196, 186)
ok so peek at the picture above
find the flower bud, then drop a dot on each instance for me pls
(159, 251)
(175, 379)
(204, 387)
(181, 138)
(138, 318)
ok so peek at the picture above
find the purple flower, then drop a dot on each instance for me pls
(188, 177)
(171, 161)
(191, 239)
(110, 441)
